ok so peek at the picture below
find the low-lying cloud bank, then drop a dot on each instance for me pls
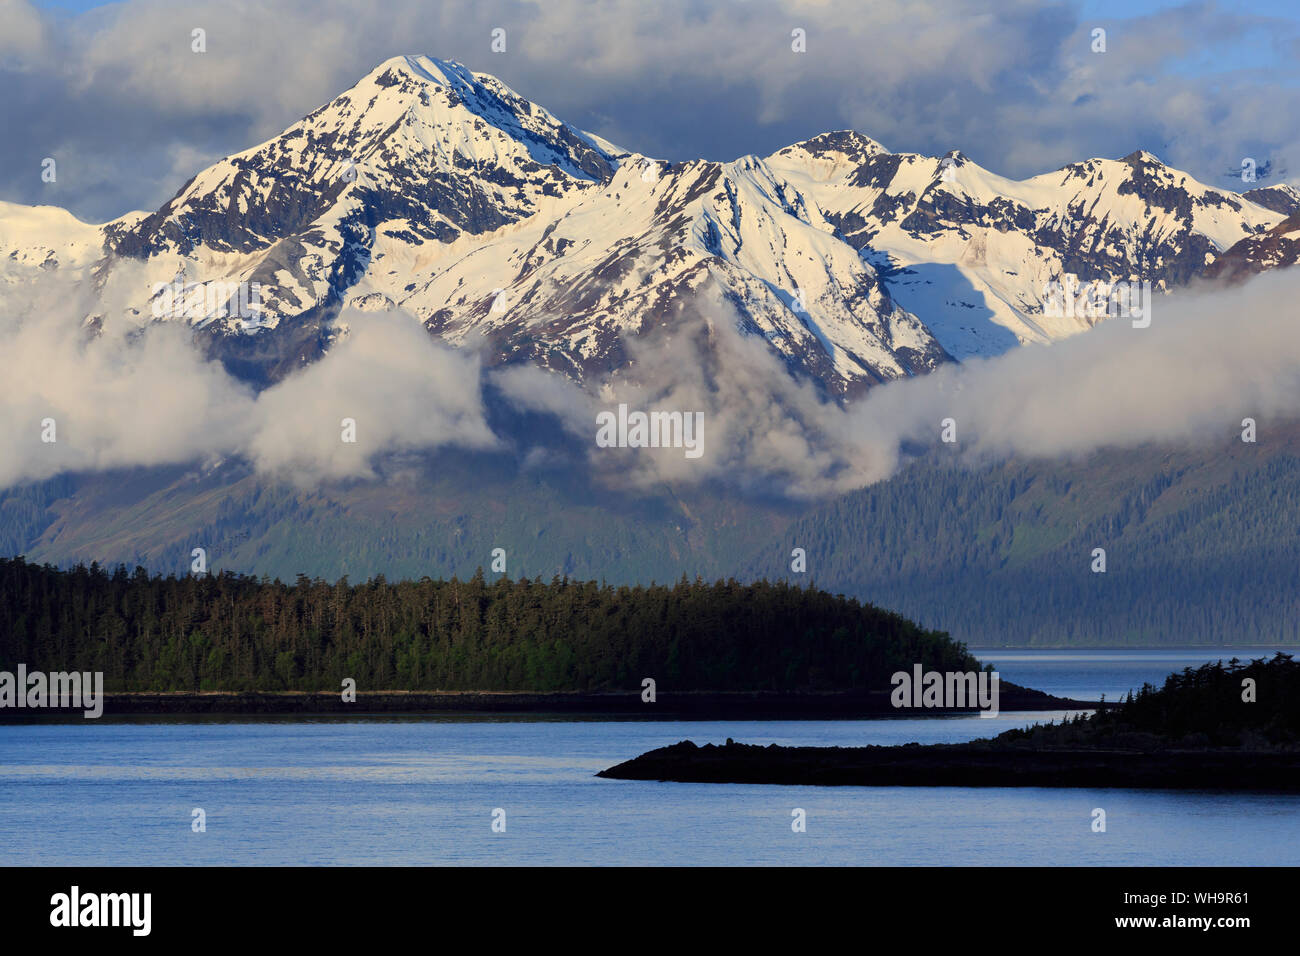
(1210, 358)
(73, 398)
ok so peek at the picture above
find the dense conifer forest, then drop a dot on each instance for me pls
(233, 633)
(1253, 705)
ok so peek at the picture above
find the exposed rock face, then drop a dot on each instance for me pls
(1280, 199)
(1275, 249)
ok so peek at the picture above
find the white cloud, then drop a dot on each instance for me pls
(402, 391)
(132, 396)
(143, 396)
(1210, 358)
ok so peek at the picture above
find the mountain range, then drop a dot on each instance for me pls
(442, 192)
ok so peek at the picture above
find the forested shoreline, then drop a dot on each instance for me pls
(231, 632)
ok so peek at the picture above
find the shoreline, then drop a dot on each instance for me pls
(670, 705)
(965, 765)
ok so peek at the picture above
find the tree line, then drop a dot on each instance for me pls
(1253, 705)
(236, 633)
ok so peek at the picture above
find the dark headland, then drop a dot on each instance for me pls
(1222, 727)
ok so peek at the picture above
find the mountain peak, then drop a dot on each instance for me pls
(846, 143)
(418, 141)
(429, 68)
(1141, 156)
(1281, 198)
(431, 71)
(438, 95)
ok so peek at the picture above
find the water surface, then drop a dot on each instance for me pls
(422, 791)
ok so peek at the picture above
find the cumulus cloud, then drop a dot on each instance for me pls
(401, 390)
(130, 112)
(1210, 358)
(125, 394)
(121, 395)
(71, 399)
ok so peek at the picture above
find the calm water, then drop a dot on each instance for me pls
(423, 791)
(1087, 674)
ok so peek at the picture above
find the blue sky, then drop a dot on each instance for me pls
(115, 92)
(1255, 49)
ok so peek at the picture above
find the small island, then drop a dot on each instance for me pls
(1223, 726)
(228, 644)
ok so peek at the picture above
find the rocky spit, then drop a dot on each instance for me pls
(977, 764)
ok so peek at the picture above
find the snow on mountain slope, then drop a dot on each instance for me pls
(419, 151)
(563, 289)
(1281, 198)
(444, 192)
(1275, 249)
(45, 238)
(972, 253)
(41, 244)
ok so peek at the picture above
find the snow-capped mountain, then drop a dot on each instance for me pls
(416, 156)
(46, 238)
(972, 253)
(443, 192)
(623, 258)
